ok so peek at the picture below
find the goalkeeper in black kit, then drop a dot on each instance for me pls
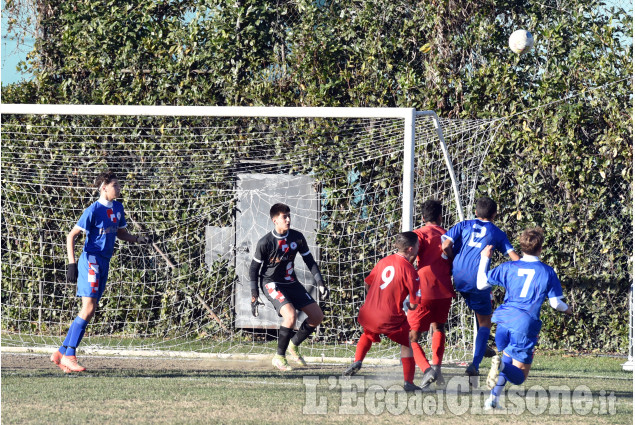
(272, 271)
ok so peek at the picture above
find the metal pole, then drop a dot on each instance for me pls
(448, 162)
(41, 285)
(408, 170)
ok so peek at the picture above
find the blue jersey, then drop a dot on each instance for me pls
(527, 283)
(469, 238)
(101, 222)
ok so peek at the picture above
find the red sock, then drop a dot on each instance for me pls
(408, 364)
(438, 347)
(420, 357)
(363, 346)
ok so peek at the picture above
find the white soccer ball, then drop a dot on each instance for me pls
(521, 41)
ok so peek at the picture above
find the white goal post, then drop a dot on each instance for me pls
(200, 178)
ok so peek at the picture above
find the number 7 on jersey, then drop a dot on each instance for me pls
(529, 275)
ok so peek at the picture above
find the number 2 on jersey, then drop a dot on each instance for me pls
(387, 276)
(529, 275)
(474, 235)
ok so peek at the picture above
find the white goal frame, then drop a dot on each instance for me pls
(409, 190)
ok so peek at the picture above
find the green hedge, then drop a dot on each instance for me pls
(562, 159)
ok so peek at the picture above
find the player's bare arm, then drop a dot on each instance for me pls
(481, 279)
(124, 235)
(447, 248)
(71, 269)
(70, 243)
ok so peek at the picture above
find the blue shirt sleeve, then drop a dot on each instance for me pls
(555, 287)
(503, 244)
(86, 220)
(495, 276)
(454, 233)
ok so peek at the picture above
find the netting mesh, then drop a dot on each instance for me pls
(184, 181)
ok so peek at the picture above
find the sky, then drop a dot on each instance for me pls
(10, 57)
(9, 62)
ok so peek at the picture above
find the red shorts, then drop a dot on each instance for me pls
(429, 311)
(400, 336)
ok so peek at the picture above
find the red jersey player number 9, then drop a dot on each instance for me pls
(387, 276)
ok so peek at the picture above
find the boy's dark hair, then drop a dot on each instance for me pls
(105, 178)
(279, 208)
(486, 208)
(405, 240)
(431, 210)
(531, 240)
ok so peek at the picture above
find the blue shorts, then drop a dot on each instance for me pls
(480, 302)
(92, 274)
(517, 345)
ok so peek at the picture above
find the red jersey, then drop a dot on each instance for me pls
(434, 270)
(390, 281)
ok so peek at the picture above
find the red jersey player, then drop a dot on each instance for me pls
(434, 270)
(389, 283)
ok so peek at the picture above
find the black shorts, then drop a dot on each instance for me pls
(280, 294)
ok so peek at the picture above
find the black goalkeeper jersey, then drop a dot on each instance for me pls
(276, 254)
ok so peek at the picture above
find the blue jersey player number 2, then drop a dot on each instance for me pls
(463, 244)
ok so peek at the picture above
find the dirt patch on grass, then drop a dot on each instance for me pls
(40, 361)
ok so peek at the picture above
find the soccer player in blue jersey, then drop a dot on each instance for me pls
(102, 222)
(527, 283)
(463, 244)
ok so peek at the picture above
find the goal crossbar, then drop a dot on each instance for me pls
(390, 160)
(207, 111)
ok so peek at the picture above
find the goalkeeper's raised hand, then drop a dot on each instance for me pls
(323, 290)
(255, 302)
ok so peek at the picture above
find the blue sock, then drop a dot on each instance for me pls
(75, 335)
(500, 384)
(513, 374)
(67, 340)
(482, 335)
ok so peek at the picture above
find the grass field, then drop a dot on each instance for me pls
(123, 390)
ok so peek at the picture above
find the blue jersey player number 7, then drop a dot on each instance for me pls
(527, 283)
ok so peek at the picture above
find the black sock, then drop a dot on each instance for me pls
(284, 335)
(303, 333)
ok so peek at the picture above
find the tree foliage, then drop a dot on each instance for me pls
(563, 159)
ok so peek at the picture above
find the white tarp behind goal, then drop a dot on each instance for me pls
(255, 194)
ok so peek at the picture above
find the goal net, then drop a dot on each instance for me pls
(201, 181)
